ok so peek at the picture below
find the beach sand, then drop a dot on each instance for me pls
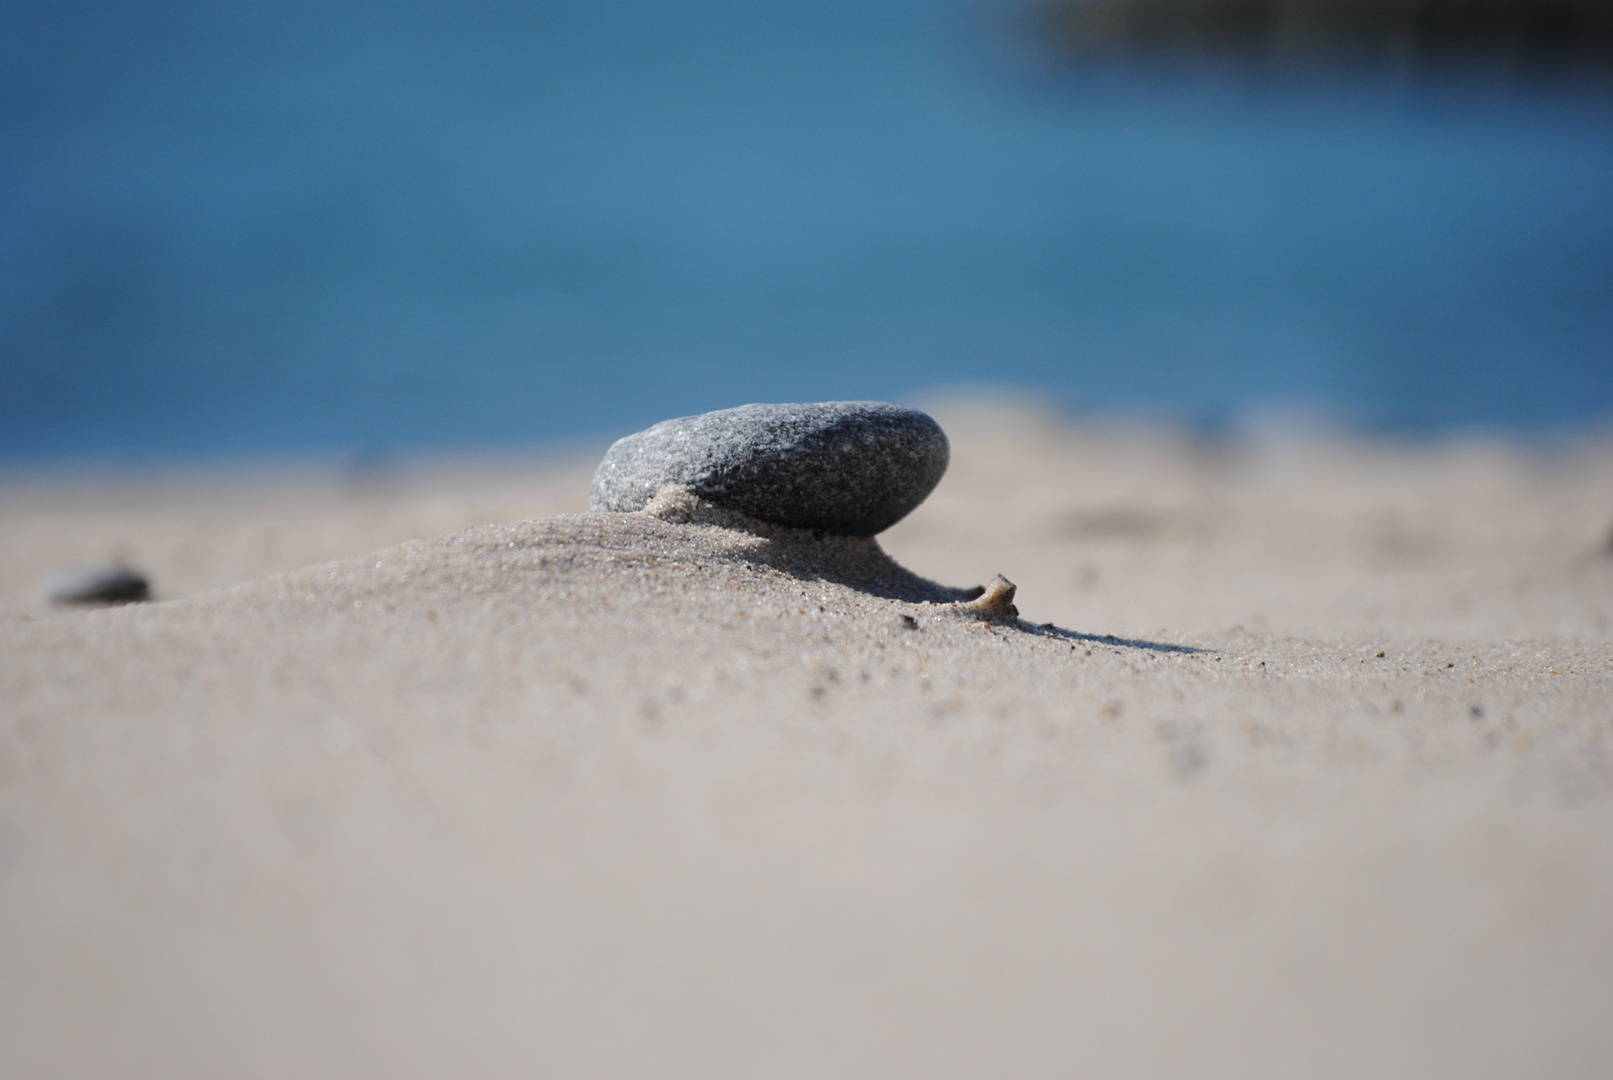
(1299, 762)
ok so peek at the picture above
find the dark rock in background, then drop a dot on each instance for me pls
(114, 584)
(1530, 35)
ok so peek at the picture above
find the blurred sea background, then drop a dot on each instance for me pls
(237, 228)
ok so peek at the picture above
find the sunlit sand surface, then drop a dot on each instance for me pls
(1298, 763)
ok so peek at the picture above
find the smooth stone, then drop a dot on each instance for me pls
(849, 467)
(115, 584)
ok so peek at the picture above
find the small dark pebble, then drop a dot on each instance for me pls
(1476, 711)
(116, 584)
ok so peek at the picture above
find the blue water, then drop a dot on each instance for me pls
(237, 227)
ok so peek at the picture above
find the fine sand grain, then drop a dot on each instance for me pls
(1311, 773)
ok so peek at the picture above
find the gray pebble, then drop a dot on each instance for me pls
(115, 584)
(849, 467)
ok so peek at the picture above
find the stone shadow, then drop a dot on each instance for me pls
(1050, 631)
(858, 562)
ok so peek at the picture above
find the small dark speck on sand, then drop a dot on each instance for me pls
(1188, 760)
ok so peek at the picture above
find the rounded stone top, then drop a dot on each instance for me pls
(850, 467)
